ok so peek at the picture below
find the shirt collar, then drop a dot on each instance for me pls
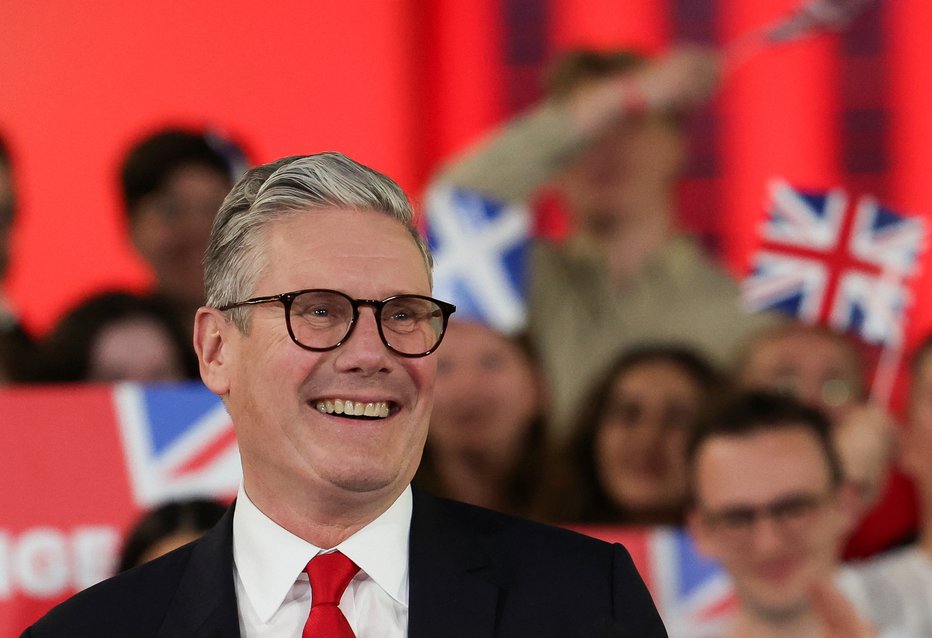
(269, 558)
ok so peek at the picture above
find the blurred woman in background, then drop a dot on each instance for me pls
(486, 444)
(624, 461)
(118, 336)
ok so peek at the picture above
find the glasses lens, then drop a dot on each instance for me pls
(412, 324)
(320, 319)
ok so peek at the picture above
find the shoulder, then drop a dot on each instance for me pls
(131, 603)
(527, 546)
(902, 568)
(548, 581)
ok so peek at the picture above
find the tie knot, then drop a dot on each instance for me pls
(329, 575)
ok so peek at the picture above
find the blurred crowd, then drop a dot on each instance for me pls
(640, 393)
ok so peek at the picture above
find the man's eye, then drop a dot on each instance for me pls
(736, 519)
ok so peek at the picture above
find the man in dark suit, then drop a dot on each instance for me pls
(317, 333)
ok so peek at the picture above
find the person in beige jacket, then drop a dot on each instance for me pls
(610, 141)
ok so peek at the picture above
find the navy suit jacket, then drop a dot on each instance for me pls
(473, 573)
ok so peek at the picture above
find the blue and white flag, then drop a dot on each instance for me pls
(481, 249)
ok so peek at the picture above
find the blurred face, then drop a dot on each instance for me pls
(920, 397)
(293, 448)
(818, 368)
(137, 349)
(916, 446)
(766, 510)
(640, 441)
(623, 173)
(486, 395)
(171, 228)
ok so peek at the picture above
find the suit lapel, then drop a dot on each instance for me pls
(452, 590)
(205, 604)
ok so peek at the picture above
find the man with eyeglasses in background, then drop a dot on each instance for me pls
(827, 369)
(770, 504)
(317, 333)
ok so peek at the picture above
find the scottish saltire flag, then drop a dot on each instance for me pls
(178, 441)
(480, 249)
(825, 259)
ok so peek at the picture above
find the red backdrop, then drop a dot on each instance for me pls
(400, 84)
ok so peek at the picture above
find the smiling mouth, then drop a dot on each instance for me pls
(354, 409)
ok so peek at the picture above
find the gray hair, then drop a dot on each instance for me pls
(290, 186)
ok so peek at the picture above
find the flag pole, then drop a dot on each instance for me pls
(888, 367)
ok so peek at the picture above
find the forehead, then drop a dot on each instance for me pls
(804, 347)
(363, 253)
(760, 468)
(471, 341)
(658, 376)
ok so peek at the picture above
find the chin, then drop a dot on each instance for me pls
(781, 609)
(362, 484)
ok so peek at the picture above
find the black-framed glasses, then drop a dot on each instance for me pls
(321, 319)
(790, 514)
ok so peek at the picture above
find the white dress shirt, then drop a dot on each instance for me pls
(273, 593)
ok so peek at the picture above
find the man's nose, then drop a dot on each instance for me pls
(766, 533)
(364, 350)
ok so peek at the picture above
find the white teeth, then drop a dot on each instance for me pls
(378, 409)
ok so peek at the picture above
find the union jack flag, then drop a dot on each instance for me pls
(825, 260)
(178, 442)
(480, 249)
(693, 594)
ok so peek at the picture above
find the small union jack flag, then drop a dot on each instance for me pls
(480, 249)
(693, 594)
(826, 260)
(178, 441)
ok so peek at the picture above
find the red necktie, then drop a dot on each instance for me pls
(329, 575)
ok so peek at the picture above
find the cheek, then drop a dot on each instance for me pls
(675, 448)
(609, 451)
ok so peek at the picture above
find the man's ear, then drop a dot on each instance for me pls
(212, 343)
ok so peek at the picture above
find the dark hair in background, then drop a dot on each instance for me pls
(151, 161)
(8, 207)
(521, 492)
(17, 349)
(193, 516)
(748, 413)
(579, 494)
(65, 354)
(6, 158)
(578, 66)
